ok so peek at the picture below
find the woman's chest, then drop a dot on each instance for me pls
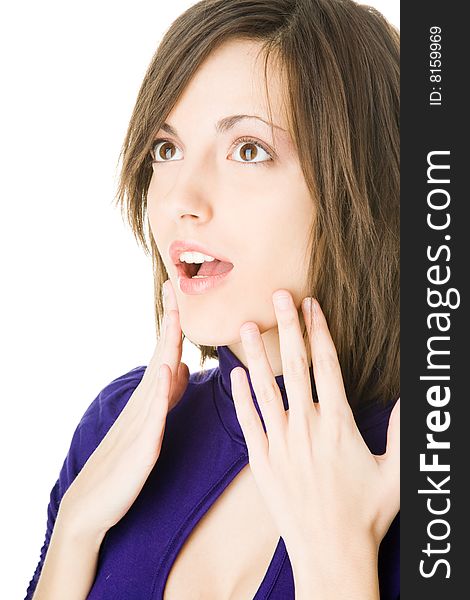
(228, 552)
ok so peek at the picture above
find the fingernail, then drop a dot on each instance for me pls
(282, 300)
(307, 302)
(307, 305)
(249, 331)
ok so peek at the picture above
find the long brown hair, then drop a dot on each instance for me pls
(339, 62)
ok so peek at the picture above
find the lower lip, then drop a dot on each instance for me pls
(193, 286)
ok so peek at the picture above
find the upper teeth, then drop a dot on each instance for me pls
(195, 257)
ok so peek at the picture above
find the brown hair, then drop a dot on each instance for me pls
(340, 66)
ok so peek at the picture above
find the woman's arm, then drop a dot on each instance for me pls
(70, 565)
(97, 495)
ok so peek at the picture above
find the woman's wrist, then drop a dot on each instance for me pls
(335, 571)
(70, 564)
(76, 530)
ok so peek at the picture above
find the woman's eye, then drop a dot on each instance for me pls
(163, 151)
(251, 151)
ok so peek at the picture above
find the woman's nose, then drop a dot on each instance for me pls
(191, 197)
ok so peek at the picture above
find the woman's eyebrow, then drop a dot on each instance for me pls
(224, 124)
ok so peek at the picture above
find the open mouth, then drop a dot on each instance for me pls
(205, 269)
(191, 269)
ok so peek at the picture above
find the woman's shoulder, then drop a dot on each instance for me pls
(108, 404)
(98, 419)
(110, 401)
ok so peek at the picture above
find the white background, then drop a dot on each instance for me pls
(77, 301)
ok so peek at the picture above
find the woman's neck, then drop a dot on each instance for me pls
(271, 343)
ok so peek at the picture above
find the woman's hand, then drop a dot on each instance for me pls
(332, 499)
(116, 471)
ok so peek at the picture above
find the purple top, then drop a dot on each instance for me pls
(203, 449)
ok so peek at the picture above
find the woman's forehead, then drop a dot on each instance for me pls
(232, 81)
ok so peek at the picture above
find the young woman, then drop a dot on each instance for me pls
(260, 169)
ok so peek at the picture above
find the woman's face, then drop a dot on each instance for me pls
(244, 201)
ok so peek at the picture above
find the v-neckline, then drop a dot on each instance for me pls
(185, 531)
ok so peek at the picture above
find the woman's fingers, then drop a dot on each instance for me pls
(181, 370)
(169, 295)
(160, 395)
(168, 350)
(253, 432)
(295, 367)
(262, 379)
(326, 368)
(171, 350)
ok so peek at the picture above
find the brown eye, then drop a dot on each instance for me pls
(251, 152)
(163, 151)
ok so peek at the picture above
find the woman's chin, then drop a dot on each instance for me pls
(210, 336)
